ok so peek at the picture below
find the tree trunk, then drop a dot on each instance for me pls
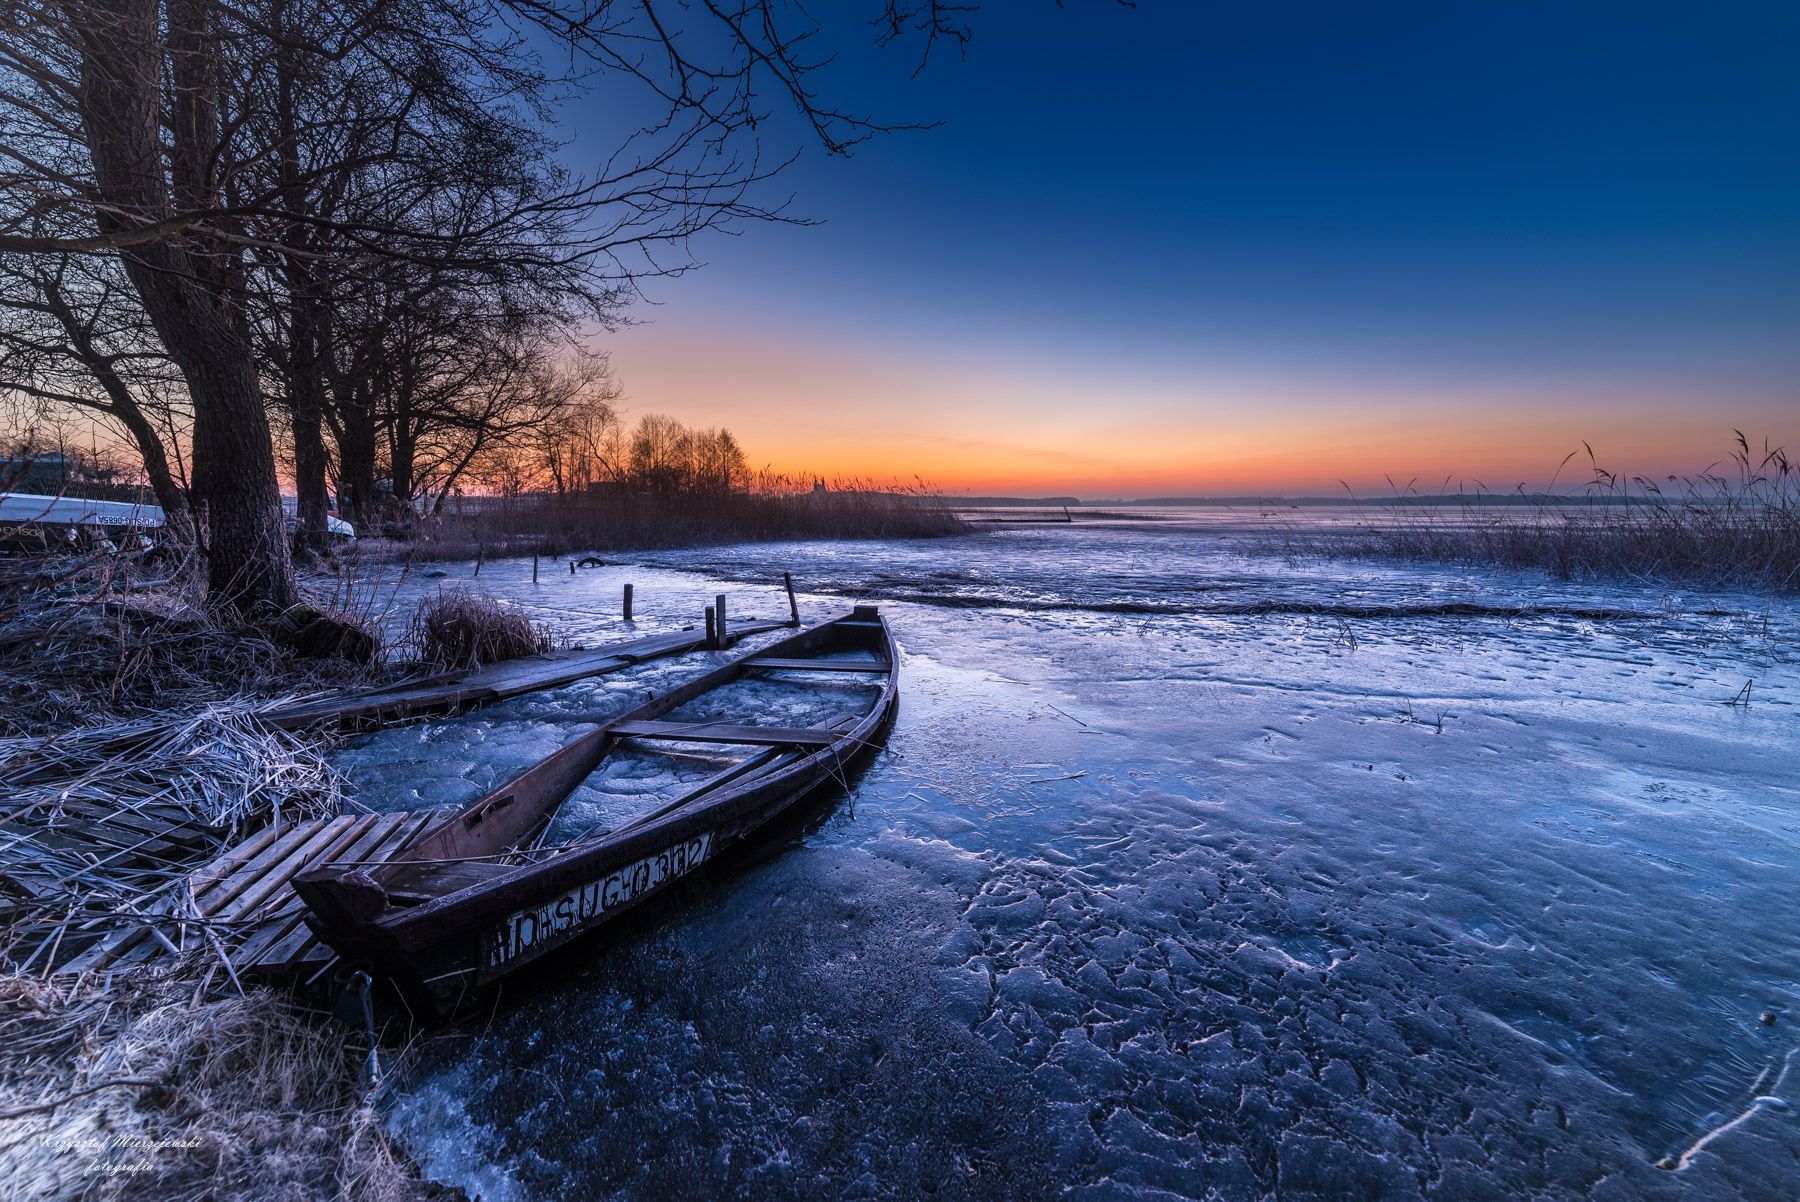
(404, 453)
(191, 299)
(178, 522)
(306, 384)
(234, 479)
(306, 387)
(356, 457)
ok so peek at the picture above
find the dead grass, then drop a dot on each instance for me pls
(135, 1088)
(85, 639)
(128, 710)
(1737, 527)
(462, 628)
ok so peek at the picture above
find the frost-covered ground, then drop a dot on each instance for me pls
(1186, 873)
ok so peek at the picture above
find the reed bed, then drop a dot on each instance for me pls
(619, 519)
(166, 1080)
(1732, 528)
(220, 766)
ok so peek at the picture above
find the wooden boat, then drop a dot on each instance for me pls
(479, 898)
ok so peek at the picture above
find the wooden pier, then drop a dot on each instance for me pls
(450, 691)
(244, 905)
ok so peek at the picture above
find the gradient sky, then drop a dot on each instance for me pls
(1195, 248)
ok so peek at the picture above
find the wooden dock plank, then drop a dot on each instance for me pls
(339, 835)
(294, 854)
(243, 876)
(271, 949)
(219, 869)
(269, 871)
(181, 830)
(496, 682)
(366, 835)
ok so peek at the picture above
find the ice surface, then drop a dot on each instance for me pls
(1312, 895)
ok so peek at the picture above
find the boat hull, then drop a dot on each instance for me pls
(451, 948)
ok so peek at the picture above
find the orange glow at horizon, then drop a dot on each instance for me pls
(982, 429)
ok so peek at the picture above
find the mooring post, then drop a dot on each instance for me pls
(571, 567)
(534, 560)
(478, 553)
(793, 605)
(628, 602)
(712, 636)
(719, 605)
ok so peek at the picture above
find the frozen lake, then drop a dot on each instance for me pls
(1187, 873)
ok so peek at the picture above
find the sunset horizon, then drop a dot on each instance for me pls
(900, 600)
(1152, 250)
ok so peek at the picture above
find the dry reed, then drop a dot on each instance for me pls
(82, 640)
(462, 628)
(132, 1086)
(161, 1080)
(1735, 528)
(776, 509)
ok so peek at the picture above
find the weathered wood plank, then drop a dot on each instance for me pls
(820, 665)
(299, 854)
(495, 682)
(285, 941)
(726, 732)
(244, 876)
(208, 876)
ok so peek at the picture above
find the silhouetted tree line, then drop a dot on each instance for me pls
(335, 235)
(593, 449)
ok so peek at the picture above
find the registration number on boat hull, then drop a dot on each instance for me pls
(534, 928)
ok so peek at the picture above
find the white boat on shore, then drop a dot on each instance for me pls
(22, 511)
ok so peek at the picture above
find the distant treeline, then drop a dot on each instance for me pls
(626, 515)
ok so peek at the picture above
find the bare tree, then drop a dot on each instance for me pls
(719, 463)
(578, 445)
(269, 156)
(72, 335)
(661, 454)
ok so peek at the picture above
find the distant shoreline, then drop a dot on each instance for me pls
(1437, 500)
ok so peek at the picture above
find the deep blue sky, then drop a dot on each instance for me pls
(1192, 247)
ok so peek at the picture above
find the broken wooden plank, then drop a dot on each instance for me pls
(242, 877)
(275, 946)
(226, 864)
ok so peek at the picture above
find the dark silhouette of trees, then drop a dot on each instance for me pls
(665, 456)
(352, 211)
(71, 335)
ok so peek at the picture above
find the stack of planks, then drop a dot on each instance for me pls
(244, 901)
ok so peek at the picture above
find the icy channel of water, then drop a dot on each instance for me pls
(1186, 873)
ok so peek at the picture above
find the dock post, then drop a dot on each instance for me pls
(478, 553)
(534, 560)
(571, 567)
(724, 637)
(793, 605)
(712, 636)
(628, 601)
